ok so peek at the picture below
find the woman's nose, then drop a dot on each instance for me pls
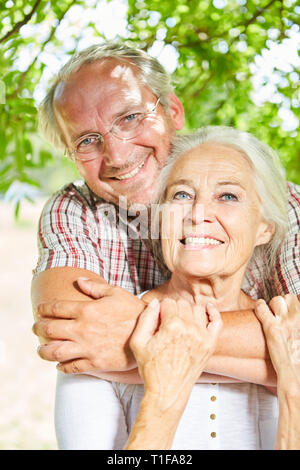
(197, 213)
(202, 212)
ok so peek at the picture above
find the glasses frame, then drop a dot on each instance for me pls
(100, 137)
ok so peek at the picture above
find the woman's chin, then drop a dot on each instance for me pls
(197, 270)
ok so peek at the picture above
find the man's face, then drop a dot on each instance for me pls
(89, 102)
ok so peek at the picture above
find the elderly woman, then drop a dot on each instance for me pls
(223, 200)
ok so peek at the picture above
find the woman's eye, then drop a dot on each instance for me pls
(182, 195)
(228, 197)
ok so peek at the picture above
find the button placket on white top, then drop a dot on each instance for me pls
(213, 417)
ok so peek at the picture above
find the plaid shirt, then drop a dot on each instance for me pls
(80, 230)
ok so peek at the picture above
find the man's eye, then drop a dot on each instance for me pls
(87, 141)
(182, 195)
(131, 117)
(228, 197)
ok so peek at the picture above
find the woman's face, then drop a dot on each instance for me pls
(211, 216)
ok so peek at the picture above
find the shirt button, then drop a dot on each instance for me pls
(213, 434)
(213, 416)
(213, 398)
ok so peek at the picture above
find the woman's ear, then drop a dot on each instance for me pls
(176, 112)
(265, 233)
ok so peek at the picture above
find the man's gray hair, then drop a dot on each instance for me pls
(269, 180)
(150, 71)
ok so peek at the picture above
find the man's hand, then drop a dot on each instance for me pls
(72, 329)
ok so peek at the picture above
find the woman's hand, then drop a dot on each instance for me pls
(172, 354)
(281, 325)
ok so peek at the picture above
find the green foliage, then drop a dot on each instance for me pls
(216, 49)
(217, 44)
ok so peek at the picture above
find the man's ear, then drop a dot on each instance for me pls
(265, 233)
(176, 112)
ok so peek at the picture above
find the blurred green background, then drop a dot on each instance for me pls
(233, 62)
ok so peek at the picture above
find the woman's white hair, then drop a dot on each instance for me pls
(269, 181)
(150, 72)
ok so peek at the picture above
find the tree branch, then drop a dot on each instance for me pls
(49, 38)
(19, 25)
(225, 33)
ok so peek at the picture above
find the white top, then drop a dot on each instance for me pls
(217, 416)
(95, 414)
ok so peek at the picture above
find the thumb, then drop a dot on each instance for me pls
(146, 325)
(95, 289)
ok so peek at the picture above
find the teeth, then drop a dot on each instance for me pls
(131, 174)
(201, 241)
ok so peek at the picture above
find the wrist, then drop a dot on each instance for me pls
(153, 428)
(288, 388)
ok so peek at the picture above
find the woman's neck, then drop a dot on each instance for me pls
(225, 293)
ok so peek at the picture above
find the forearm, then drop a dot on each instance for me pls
(59, 284)
(133, 377)
(242, 351)
(154, 429)
(288, 431)
(259, 371)
(242, 336)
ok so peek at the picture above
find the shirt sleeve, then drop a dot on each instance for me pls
(285, 278)
(68, 234)
(288, 265)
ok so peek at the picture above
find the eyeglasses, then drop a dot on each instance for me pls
(126, 127)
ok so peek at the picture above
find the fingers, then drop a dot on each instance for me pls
(215, 320)
(76, 367)
(146, 325)
(279, 306)
(262, 311)
(168, 308)
(200, 317)
(60, 351)
(95, 289)
(59, 309)
(171, 308)
(54, 329)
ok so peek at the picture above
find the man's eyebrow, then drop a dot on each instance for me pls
(75, 137)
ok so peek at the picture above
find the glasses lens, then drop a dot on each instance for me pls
(89, 143)
(128, 126)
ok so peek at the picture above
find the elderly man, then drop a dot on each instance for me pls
(113, 110)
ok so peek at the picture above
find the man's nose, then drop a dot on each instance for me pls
(116, 151)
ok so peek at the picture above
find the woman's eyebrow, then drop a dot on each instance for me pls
(231, 183)
(181, 181)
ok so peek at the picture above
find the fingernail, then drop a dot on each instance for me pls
(83, 279)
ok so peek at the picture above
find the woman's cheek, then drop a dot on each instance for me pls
(169, 251)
